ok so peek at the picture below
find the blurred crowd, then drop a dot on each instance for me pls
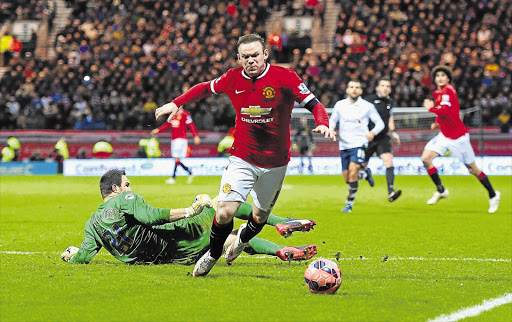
(28, 10)
(117, 61)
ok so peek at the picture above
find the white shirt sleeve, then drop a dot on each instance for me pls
(376, 119)
(335, 117)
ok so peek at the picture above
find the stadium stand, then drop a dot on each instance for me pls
(114, 60)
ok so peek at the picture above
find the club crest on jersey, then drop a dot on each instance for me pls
(129, 196)
(269, 92)
(255, 111)
(226, 188)
(304, 89)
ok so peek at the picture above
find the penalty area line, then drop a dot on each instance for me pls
(475, 310)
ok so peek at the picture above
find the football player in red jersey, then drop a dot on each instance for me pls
(454, 137)
(179, 141)
(263, 96)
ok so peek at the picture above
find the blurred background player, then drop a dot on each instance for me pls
(381, 144)
(263, 96)
(179, 142)
(453, 137)
(135, 232)
(226, 143)
(304, 143)
(352, 115)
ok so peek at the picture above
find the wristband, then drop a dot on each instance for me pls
(187, 212)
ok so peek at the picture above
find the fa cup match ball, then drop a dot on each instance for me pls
(323, 276)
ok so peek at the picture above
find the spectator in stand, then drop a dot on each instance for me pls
(504, 119)
(132, 49)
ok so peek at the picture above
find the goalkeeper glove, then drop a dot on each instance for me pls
(198, 205)
(69, 253)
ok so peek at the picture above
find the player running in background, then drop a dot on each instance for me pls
(304, 143)
(352, 115)
(263, 96)
(453, 137)
(381, 144)
(137, 233)
(179, 141)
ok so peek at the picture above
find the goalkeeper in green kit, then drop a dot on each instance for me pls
(134, 232)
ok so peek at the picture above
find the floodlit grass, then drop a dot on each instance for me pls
(400, 261)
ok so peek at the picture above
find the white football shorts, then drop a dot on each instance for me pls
(179, 148)
(241, 178)
(459, 148)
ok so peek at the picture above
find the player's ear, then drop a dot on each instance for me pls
(265, 53)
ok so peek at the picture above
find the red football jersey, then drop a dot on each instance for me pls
(179, 124)
(263, 111)
(448, 112)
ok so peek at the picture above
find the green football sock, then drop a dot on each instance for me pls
(262, 246)
(245, 210)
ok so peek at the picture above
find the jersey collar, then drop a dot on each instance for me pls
(244, 74)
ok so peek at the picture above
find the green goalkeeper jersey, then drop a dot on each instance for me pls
(134, 232)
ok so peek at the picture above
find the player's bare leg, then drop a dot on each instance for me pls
(441, 192)
(221, 228)
(366, 173)
(494, 196)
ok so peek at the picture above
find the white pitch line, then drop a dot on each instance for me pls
(11, 252)
(331, 258)
(402, 259)
(475, 310)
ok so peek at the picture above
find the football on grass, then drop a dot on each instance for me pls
(323, 276)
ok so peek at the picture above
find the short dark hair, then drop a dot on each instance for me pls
(383, 79)
(250, 38)
(355, 80)
(445, 69)
(110, 178)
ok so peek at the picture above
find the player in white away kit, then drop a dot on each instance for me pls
(454, 136)
(263, 97)
(352, 115)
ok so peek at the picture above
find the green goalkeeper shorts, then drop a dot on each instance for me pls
(189, 238)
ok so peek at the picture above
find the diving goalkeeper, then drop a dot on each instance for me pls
(134, 232)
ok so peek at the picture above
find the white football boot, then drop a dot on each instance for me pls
(204, 265)
(494, 202)
(234, 250)
(438, 196)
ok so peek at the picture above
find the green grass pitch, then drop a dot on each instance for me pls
(400, 261)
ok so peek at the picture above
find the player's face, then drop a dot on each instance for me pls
(125, 184)
(441, 79)
(384, 88)
(354, 90)
(252, 56)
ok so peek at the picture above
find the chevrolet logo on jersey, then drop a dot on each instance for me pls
(256, 111)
